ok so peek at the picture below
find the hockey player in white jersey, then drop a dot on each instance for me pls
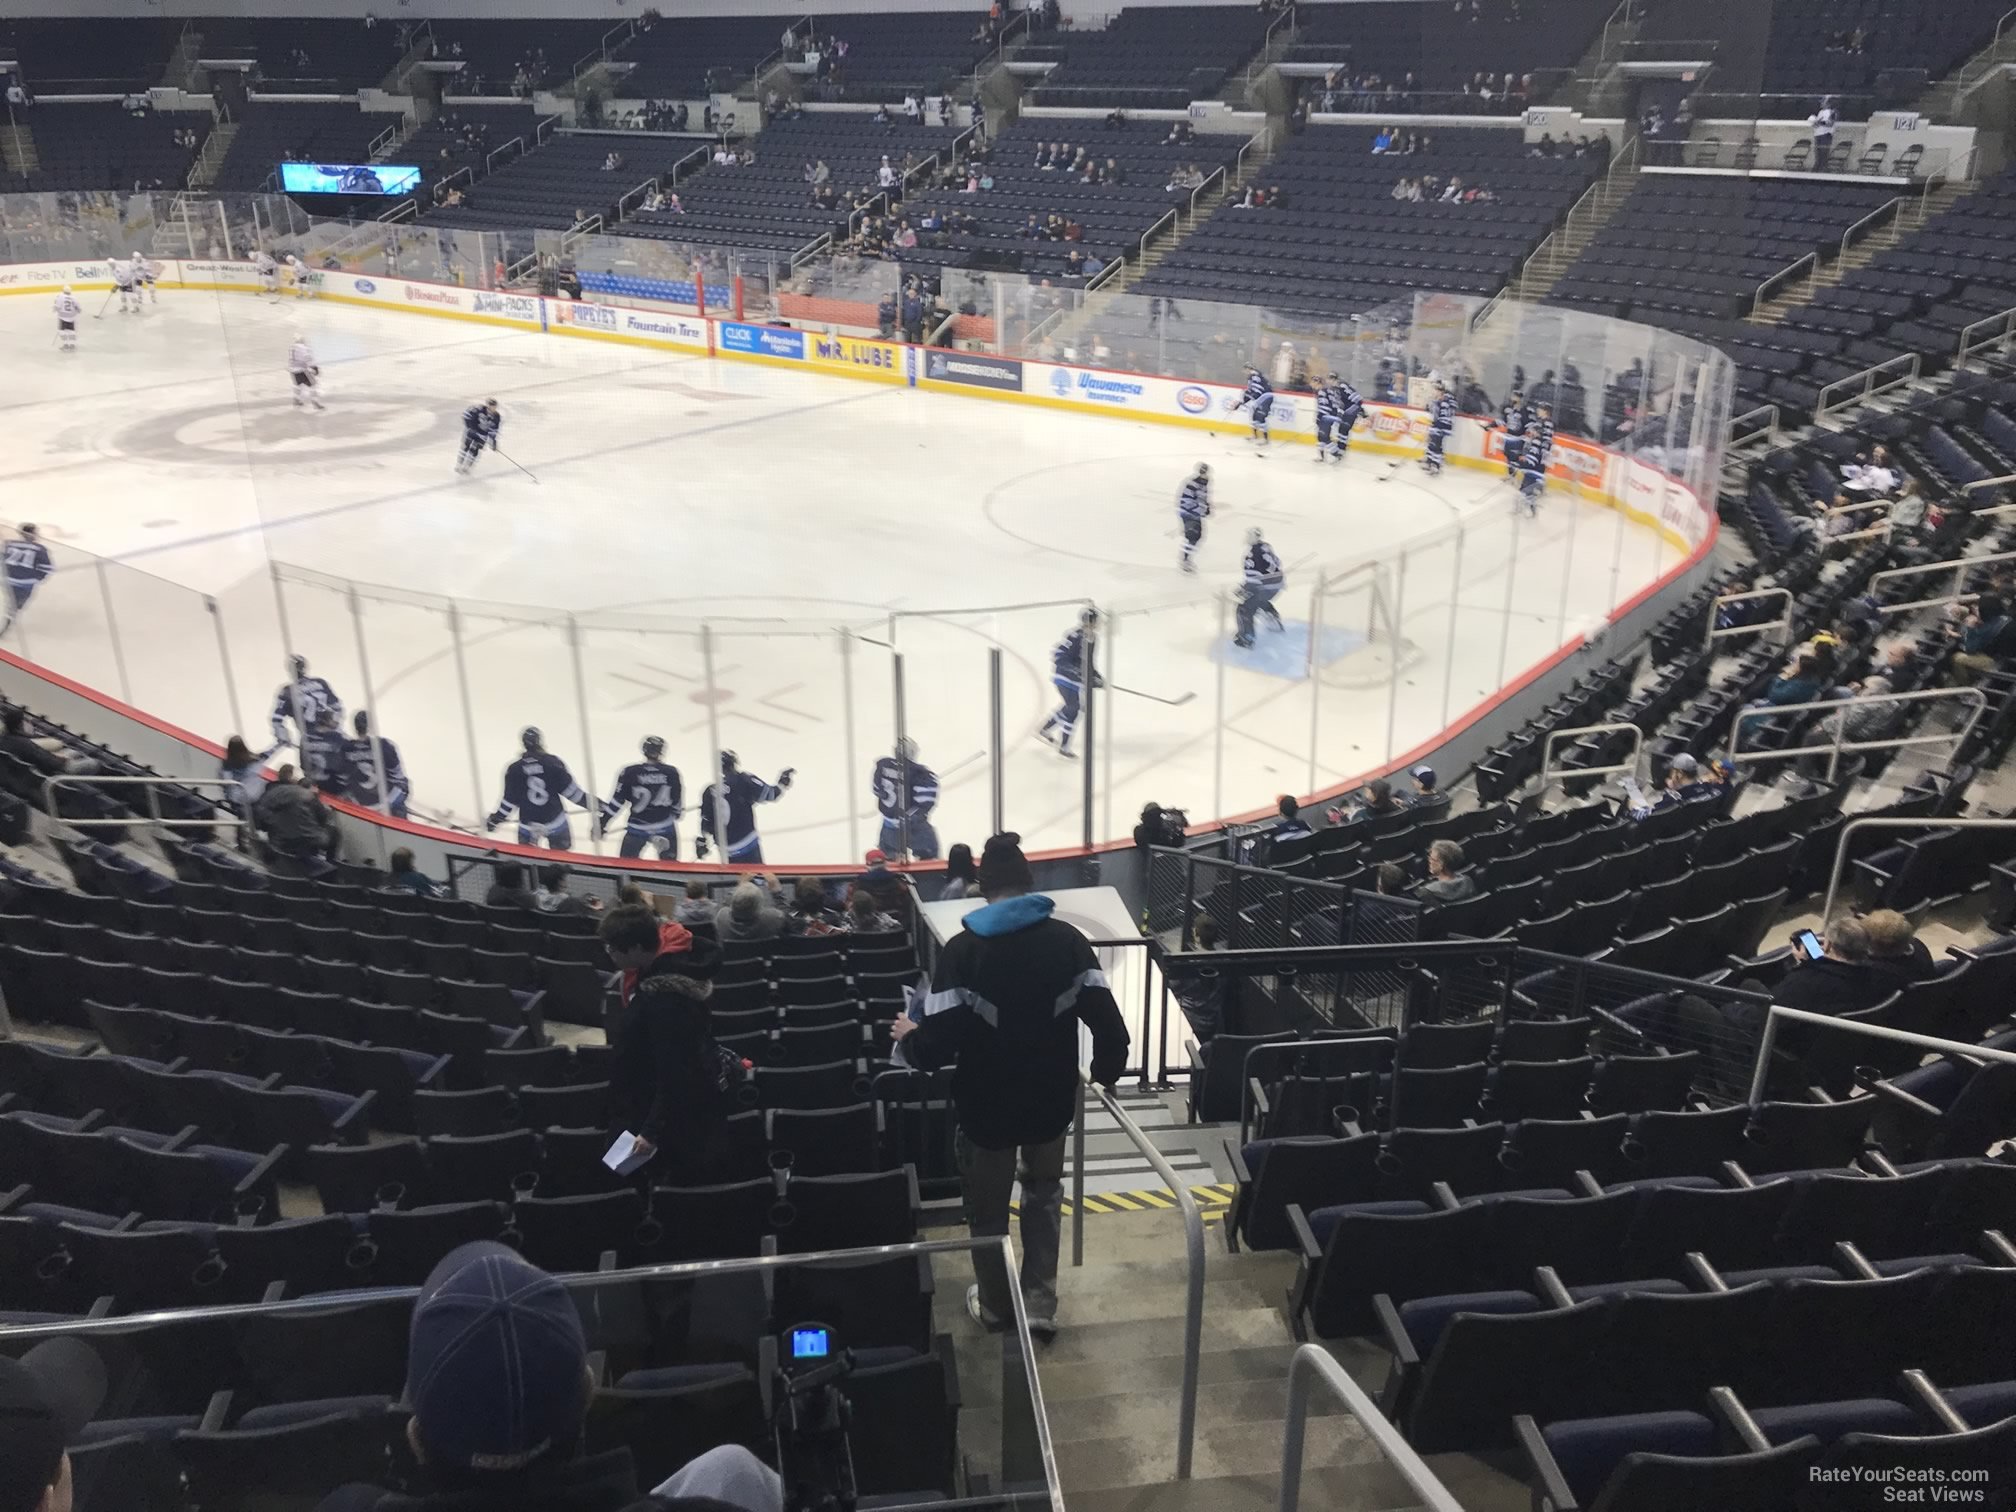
(268, 271)
(307, 375)
(123, 279)
(67, 312)
(297, 277)
(145, 271)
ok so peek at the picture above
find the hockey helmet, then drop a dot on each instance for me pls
(362, 722)
(66, 288)
(1333, 376)
(1203, 469)
(490, 404)
(1089, 616)
(730, 763)
(30, 532)
(299, 337)
(1253, 536)
(299, 665)
(654, 747)
(531, 739)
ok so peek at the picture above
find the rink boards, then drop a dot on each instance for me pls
(1645, 494)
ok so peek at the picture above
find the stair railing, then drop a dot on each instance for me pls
(1761, 423)
(1312, 1366)
(152, 787)
(1984, 336)
(1193, 1240)
(1978, 69)
(1859, 388)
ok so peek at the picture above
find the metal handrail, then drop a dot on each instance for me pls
(1959, 566)
(1768, 1040)
(1312, 1365)
(812, 249)
(1261, 61)
(1892, 208)
(406, 209)
(1263, 138)
(1106, 274)
(490, 157)
(2004, 322)
(1832, 751)
(1866, 382)
(1769, 431)
(1193, 1239)
(1967, 488)
(1620, 17)
(1880, 822)
(1759, 298)
(153, 785)
(385, 140)
(1962, 84)
(1548, 771)
(1783, 623)
(1169, 216)
(678, 171)
(637, 192)
(1215, 173)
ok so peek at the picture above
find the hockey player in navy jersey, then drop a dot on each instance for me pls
(1337, 410)
(1260, 394)
(1070, 663)
(653, 793)
(905, 794)
(1534, 457)
(1513, 418)
(1193, 507)
(1264, 581)
(363, 757)
(728, 810)
(26, 563)
(322, 755)
(480, 426)
(301, 700)
(536, 788)
(1441, 420)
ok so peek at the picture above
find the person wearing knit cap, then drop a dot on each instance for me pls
(498, 1381)
(664, 1084)
(1008, 995)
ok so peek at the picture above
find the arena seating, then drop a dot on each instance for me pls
(558, 184)
(449, 133)
(1114, 216)
(687, 57)
(767, 204)
(87, 56)
(299, 53)
(908, 52)
(269, 133)
(1422, 58)
(100, 145)
(493, 52)
(1342, 243)
(1147, 58)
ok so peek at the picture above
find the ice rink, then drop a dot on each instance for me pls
(817, 526)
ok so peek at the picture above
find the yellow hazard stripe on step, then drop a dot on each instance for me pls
(1212, 1200)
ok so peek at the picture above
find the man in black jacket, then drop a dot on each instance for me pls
(1841, 981)
(498, 1382)
(664, 1071)
(1006, 1000)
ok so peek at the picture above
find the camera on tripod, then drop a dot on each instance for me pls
(810, 1417)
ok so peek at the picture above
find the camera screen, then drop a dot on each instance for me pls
(810, 1343)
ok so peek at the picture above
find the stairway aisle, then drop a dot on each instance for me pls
(1112, 1383)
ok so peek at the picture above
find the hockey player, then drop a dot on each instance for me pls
(297, 277)
(307, 373)
(145, 271)
(1070, 662)
(481, 424)
(1534, 457)
(1441, 420)
(1260, 394)
(905, 793)
(728, 811)
(1193, 507)
(26, 563)
(322, 760)
(535, 786)
(1264, 582)
(362, 758)
(124, 280)
(1513, 417)
(268, 271)
(651, 790)
(67, 312)
(301, 701)
(1337, 410)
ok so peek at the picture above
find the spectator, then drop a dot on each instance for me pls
(239, 767)
(1094, 265)
(1447, 881)
(47, 1396)
(863, 917)
(1683, 785)
(1291, 826)
(1841, 981)
(962, 878)
(1203, 998)
(1375, 798)
(1015, 1079)
(23, 747)
(1382, 140)
(406, 877)
(668, 1085)
(1401, 187)
(1984, 641)
(811, 913)
(1425, 788)
(612, 162)
(499, 1382)
(551, 895)
(883, 885)
(913, 111)
(1895, 950)
(509, 889)
(1800, 683)
(296, 824)
(1872, 477)
(696, 907)
(1113, 173)
(748, 916)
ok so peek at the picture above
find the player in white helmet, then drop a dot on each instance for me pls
(301, 363)
(145, 271)
(123, 281)
(268, 271)
(67, 311)
(297, 277)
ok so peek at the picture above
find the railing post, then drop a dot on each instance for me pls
(112, 632)
(847, 737)
(468, 711)
(224, 662)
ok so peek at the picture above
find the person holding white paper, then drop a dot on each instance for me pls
(670, 1084)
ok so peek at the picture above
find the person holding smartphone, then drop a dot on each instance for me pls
(1833, 975)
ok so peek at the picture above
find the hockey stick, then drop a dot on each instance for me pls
(99, 313)
(517, 464)
(1151, 697)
